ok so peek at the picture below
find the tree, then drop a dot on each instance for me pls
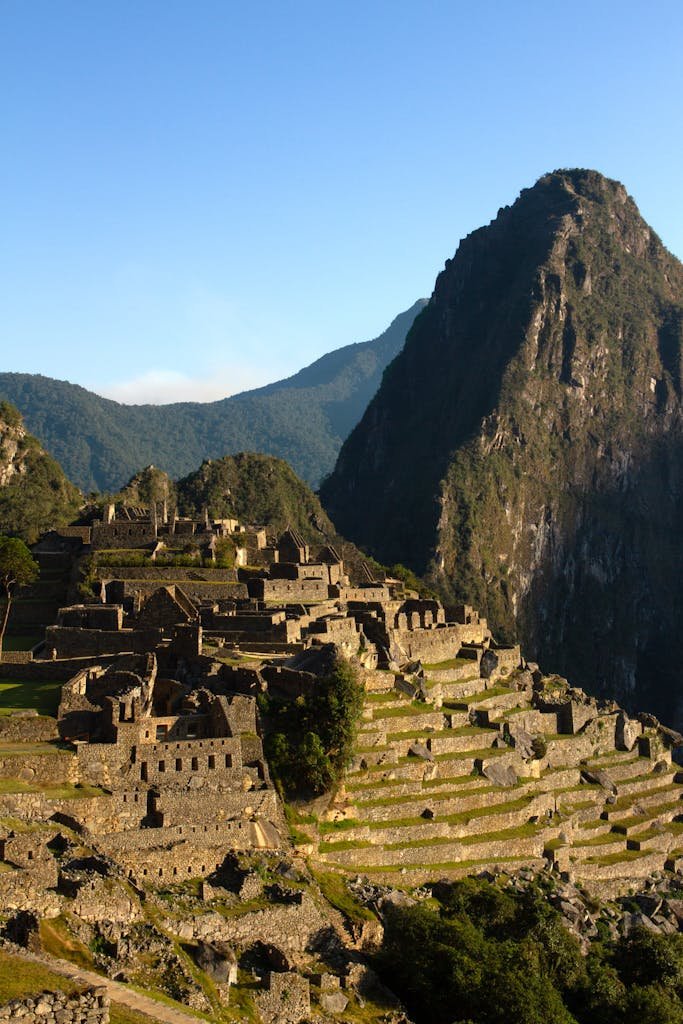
(17, 567)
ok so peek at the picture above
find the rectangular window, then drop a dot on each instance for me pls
(178, 764)
(162, 766)
(212, 761)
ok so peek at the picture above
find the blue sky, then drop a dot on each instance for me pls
(200, 197)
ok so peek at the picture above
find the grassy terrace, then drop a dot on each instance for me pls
(462, 703)
(501, 835)
(454, 780)
(415, 707)
(451, 794)
(624, 802)
(441, 666)
(18, 695)
(468, 755)
(460, 818)
(59, 791)
(462, 866)
(25, 642)
(29, 749)
(617, 858)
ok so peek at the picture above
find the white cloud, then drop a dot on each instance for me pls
(159, 387)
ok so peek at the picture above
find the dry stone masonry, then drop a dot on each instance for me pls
(130, 815)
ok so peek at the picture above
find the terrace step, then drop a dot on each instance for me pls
(456, 741)
(446, 803)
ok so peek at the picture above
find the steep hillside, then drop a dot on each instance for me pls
(255, 489)
(34, 493)
(303, 419)
(525, 447)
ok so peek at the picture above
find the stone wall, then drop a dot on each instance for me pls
(70, 642)
(288, 591)
(89, 1007)
(287, 999)
(197, 590)
(163, 573)
(15, 657)
(27, 728)
(440, 643)
(292, 927)
(44, 768)
(53, 671)
(122, 534)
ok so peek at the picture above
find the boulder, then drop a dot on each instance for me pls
(333, 1002)
(420, 750)
(218, 961)
(627, 732)
(598, 778)
(500, 774)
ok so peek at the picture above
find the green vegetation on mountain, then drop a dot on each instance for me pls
(487, 956)
(256, 489)
(304, 419)
(525, 448)
(34, 493)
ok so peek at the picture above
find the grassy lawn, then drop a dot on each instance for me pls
(20, 978)
(21, 642)
(16, 695)
(29, 749)
(58, 791)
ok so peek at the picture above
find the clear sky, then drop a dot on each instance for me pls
(199, 197)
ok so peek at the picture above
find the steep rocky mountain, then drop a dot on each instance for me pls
(34, 493)
(525, 447)
(304, 419)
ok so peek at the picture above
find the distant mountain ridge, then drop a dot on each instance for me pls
(304, 419)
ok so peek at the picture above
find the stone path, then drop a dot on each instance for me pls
(115, 990)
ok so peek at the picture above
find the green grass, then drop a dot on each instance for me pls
(19, 978)
(459, 818)
(21, 643)
(17, 695)
(462, 703)
(344, 844)
(415, 707)
(58, 791)
(57, 939)
(333, 888)
(464, 866)
(406, 798)
(618, 858)
(120, 1014)
(342, 825)
(31, 749)
(438, 666)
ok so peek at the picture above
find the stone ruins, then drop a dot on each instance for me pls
(468, 758)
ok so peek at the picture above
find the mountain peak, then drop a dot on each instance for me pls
(525, 447)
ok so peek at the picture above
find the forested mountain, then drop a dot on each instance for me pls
(256, 489)
(34, 493)
(525, 447)
(303, 419)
